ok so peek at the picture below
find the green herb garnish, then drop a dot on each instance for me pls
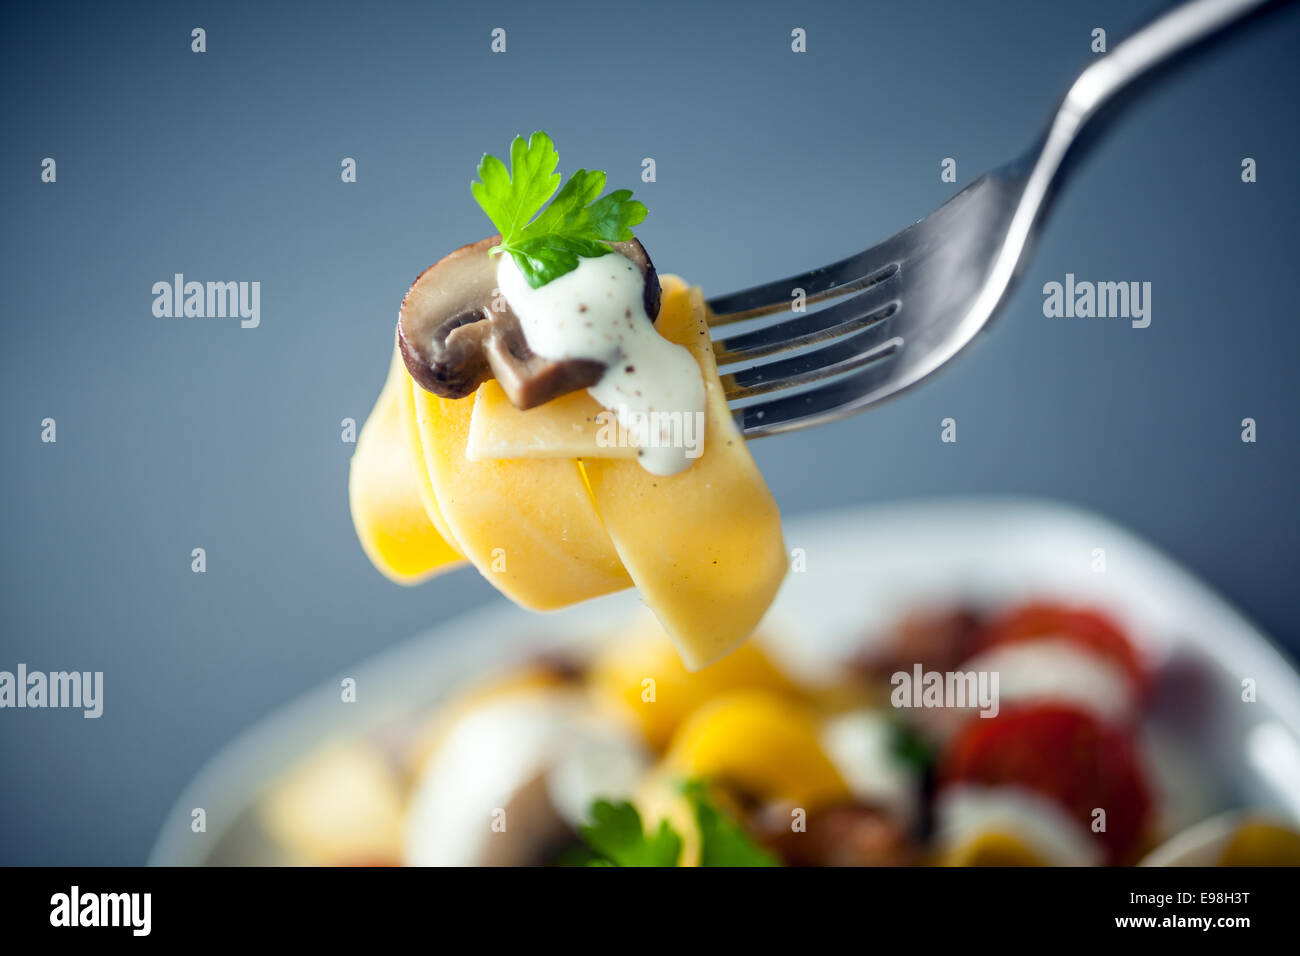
(722, 841)
(575, 224)
(617, 837)
(909, 747)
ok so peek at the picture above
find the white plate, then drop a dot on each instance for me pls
(865, 567)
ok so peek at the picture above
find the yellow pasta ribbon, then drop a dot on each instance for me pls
(551, 515)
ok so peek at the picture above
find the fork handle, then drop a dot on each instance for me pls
(1155, 44)
(1146, 54)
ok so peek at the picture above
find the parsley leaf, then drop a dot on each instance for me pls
(722, 841)
(575, 224)
(909, 747)
(617, 835)
(512, 197)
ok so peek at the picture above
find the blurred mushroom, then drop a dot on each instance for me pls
(509, 780)
(852, 834)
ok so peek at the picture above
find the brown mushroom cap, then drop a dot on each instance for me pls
(452, 340)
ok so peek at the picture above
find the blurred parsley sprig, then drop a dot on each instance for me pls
(617, 837)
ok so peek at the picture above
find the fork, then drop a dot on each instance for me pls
(921, 296)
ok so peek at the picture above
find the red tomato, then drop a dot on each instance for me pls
(1060, 753)
(1089, 628)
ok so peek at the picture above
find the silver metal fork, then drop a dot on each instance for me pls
(921, 296)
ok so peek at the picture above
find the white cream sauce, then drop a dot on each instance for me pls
(597, 312)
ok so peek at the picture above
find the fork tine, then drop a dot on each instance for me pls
(842, 318)
(830, 401)
(845, 354)
(853, 274)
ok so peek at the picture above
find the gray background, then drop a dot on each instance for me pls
(175, 434)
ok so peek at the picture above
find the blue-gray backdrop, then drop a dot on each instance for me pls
(174, 434)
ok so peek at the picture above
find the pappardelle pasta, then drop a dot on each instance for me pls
(561, 438)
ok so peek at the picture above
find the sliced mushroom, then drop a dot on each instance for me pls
(452, 339)
(851, 834)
